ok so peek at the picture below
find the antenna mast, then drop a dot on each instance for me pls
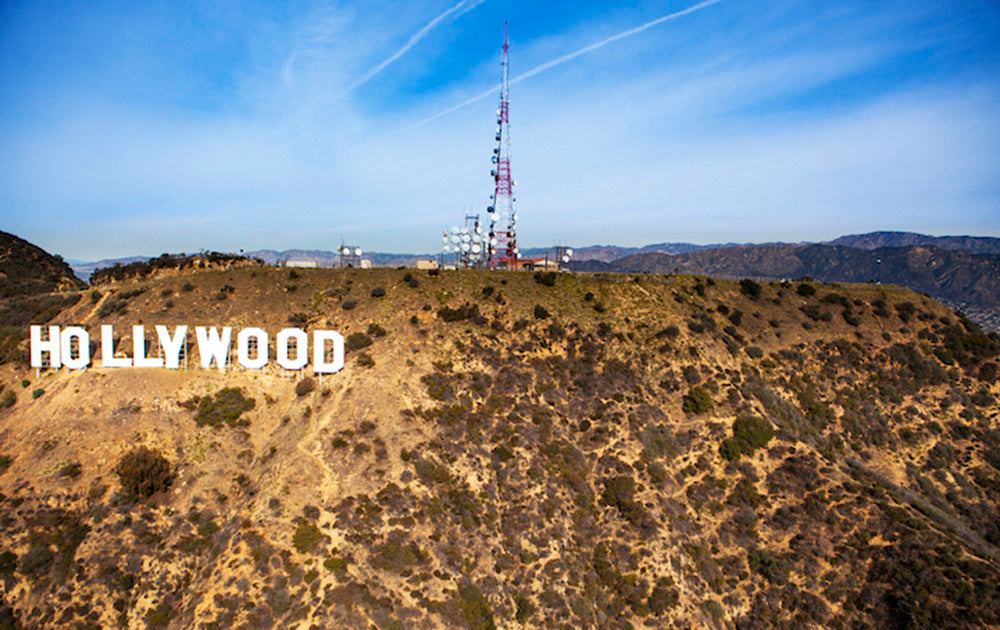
(503, 251)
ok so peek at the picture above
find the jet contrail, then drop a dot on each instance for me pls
(464, 6)
(564, 58)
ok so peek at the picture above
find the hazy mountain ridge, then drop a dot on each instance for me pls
(660, 452)
(877, 240)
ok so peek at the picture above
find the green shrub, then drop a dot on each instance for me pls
(305, 386)
(378, 292)
(160, 615)
(663, 597)
(5, 462)
(805, 290)
(545, 278)
(475, 608)
(8, 399)
(540, 311)
(454, 314)
(143, 472)
(366, 360)
(697, 400)
(36, 393)
(71, 470)
(305, 537)
(36, 560)
(226, 406)
(754, 352)
(749, 434)
(348, 305)
(356, 341)
(525, 608)
(750, 288)
(8, 562)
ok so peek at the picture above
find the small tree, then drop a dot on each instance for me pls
(697, 400)
(750, 288)
(144, 472)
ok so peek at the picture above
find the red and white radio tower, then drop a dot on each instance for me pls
(502, 241)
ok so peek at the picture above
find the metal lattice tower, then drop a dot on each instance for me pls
(502, 241)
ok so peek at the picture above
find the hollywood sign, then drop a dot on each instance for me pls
(70, 347)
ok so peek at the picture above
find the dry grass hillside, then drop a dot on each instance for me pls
(511, 451)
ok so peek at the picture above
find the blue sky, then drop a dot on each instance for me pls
(141, 128)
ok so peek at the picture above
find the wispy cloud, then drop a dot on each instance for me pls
(567, 57)
(464, 6)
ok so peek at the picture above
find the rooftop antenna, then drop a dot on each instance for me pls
(502, 242)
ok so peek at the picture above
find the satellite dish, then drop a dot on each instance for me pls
(565, 259)
(569, 251)
(476, 248)
(444, 239)
(516, 251)
(514, 217)
(465, 230)
(465, 247)
(357, 252)
(466, 238)
(454, 238)
(493, 242)
(454, 229)
(479, 230)
(445, 249)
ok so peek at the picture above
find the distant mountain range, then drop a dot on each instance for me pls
(876, 240)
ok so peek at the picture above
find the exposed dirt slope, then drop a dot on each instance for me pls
(668, 452)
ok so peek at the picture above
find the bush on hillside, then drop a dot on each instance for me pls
(226, 406)
(356, 341)
(545, 278)
(144, 472)
(305, 386)
(697, 400)
(750, 288)
(749, 434)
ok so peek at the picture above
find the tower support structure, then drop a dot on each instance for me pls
(502, 242)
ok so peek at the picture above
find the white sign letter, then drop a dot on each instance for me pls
(243, 348)
(212, 346)
(108, 359)
(51, 346)
(139, 349)
(172, 345)
(301, 343)
(320, 364)
(83, 347)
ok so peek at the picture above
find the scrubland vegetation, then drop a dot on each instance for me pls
(499, 452)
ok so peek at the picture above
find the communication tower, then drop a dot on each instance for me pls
(350, 255)
(467, 242)
(502, 240)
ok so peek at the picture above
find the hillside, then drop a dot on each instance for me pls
(960, 278)
(603, 452)
(26, 269)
